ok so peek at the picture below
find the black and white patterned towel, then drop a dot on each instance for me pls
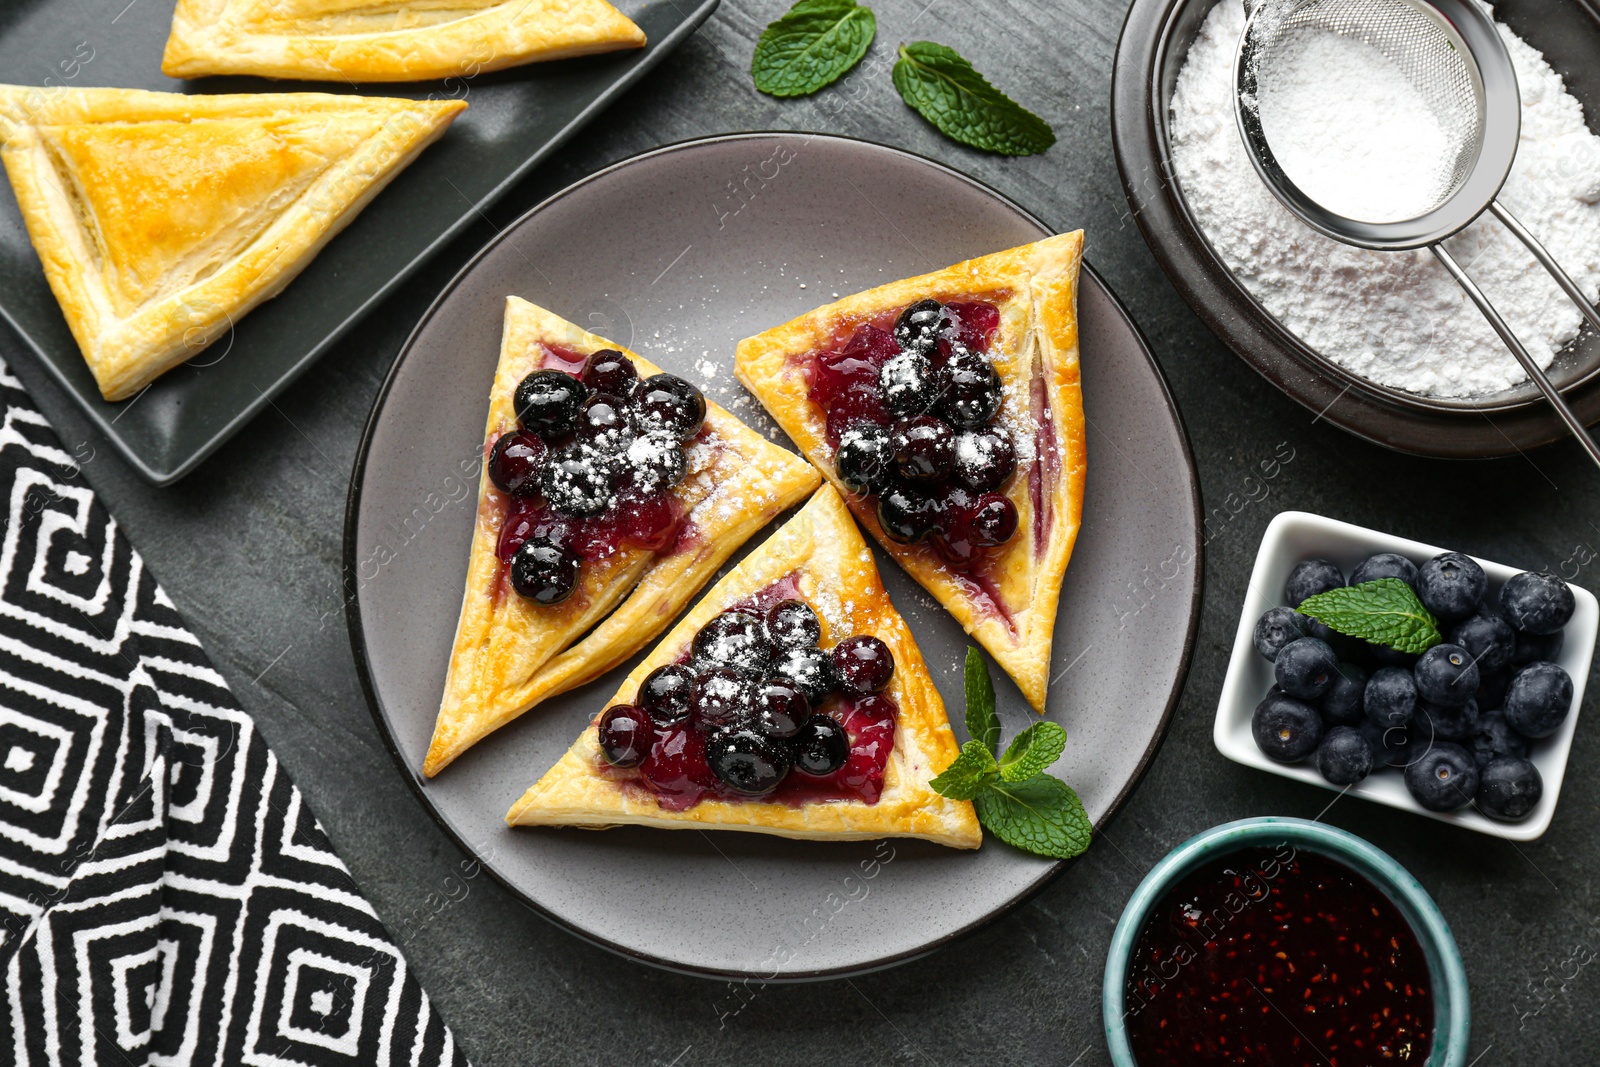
(166, 896)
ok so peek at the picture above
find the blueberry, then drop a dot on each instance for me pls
(654, 462)
(1277, 628)
(905, 515)
(1537, 602)
(1509, 788)
(809, 668)
(1344, 757)
(863, 664)
(917, 328)
(1492, 686)
(746, 761)
(1494, 738)
(984, 458)
(736, 639)
(1306, 668)
(864, 459)
(792, 624)
(781, 708)
(1390, 698)
(664, 693)
(544, 572)
(1451, 586)
(907, 383)
(1385, 565)
(1488, 639)
(969, 386)
(1341, 704)
(605, 422)
(609, 371)
(1443, 778)
(721, 698)
(1309, 578)
(821, 747)
(924, 448)
(667, 402)
(626, 734)
(1448, 722)
(1391, 745)
(1385, 656)
(1538, 699)
(1446, 674)
(514, 463)
(577, 482)
(547, 402)
(1286, 730)
(1531, 647)
(992, 521)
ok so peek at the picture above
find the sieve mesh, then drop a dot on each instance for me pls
(1416, 44)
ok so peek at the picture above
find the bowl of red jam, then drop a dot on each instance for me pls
(1283, 943)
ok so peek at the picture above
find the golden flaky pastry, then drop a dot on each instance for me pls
(511, 653)
(1009, 604)
(162, 219)
(819, 557)
(386, 40)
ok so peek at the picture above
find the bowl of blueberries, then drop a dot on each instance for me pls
(1407, 674)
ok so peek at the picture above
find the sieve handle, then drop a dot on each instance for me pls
(1546, 386)
(1547, 261)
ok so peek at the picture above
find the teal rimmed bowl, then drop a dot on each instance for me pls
(1452, 1004)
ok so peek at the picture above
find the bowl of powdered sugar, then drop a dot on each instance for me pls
(1384, 344)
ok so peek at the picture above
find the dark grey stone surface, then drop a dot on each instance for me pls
(250, 549)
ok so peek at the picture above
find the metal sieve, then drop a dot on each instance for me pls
(1452, 54)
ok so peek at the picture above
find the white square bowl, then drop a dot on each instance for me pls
(1297, 535)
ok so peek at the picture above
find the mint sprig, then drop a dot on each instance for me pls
(1014, 798)
(814, 44)
(945, 89)
(1385, 612)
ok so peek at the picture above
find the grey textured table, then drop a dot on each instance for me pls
(250, 549)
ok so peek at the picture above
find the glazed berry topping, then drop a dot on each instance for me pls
(994, 520)
(905, 515)
(864, 460)
(547, 402)
(737, 639)
(974, 324)
(908, 385)
(863, 664)
(721, 697)
(781, 708)
(654, 462)
(809, 668)
(917, 328)
(984, 458)
(609, 371)
(746, 761)
(543, 571)
(792, 624)
(969, 389)
(514, 463)
(821, 746)
(676, 767)
(577, 481)
(626, 735)
(667, 402)
(924, 448)
(605, 422)
(664, 694)
(845, 383)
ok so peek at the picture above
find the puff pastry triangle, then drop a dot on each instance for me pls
(510, 653)
(161, 219)
(1009, 602)
(386, 40)
(819, 557)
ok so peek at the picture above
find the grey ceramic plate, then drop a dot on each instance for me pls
(513, 120)
(679, 253)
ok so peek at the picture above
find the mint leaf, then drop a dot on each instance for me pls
(964, 778)
(812, 45)
(945, 90)
(1041, 815)
(1385, 612)
(982, 723)
(1032, 751)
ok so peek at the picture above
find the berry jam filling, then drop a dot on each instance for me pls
(589, 468)
(756, 709)
(911, 405)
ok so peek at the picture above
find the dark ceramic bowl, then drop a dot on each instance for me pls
(1155, 39)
